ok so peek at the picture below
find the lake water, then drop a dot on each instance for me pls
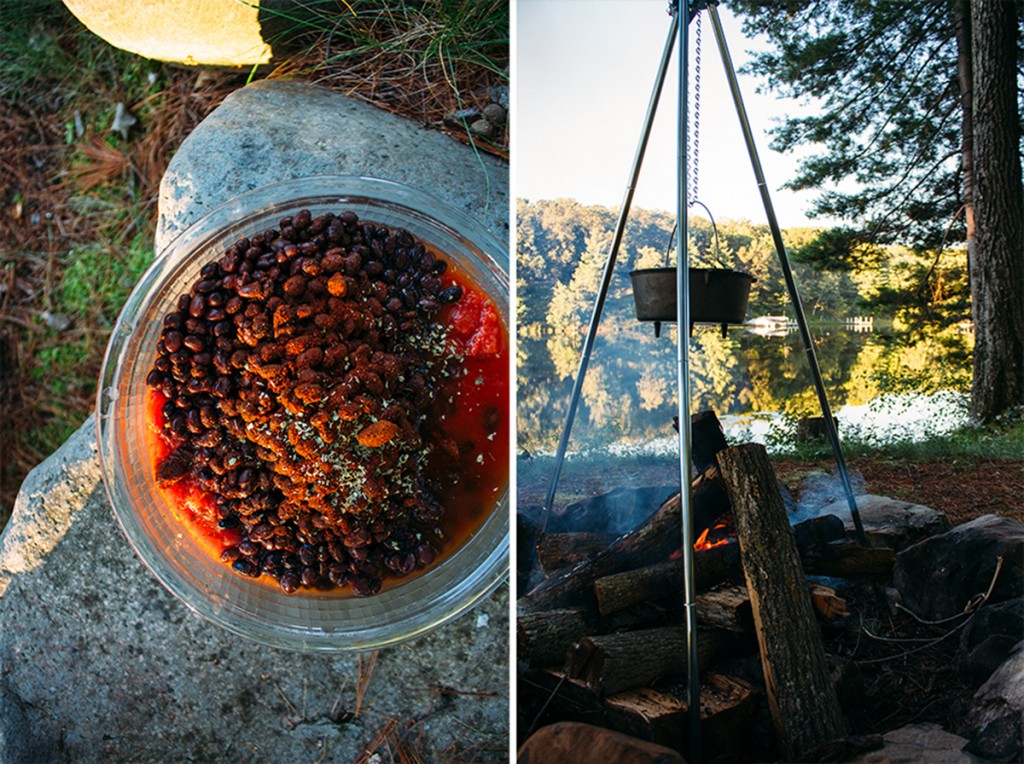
(884, 384)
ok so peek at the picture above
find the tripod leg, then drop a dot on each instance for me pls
(606, 276)
(794, 295)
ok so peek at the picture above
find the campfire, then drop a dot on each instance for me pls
(601, 635)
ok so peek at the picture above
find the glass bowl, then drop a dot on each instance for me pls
(307, 620)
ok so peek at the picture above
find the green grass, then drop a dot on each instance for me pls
(98, 278)
(999, 440)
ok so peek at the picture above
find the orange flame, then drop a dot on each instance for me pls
(702, 542)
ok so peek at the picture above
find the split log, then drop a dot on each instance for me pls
(558, 550)
(544, 638)
(848, 559)
(659, 716)
(656, 715)
(801, 696)
(827, 603)
(711, 566)
(727, 608)
(610, 663)
(652, 542)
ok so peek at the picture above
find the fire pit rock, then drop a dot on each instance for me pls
(996, 718)
(919, 742)
(937, 577)
(989, 639)
(890, 522)
(574, 742)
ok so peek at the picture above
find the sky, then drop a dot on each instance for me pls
(584, 75)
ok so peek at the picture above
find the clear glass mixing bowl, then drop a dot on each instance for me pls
(308, 621)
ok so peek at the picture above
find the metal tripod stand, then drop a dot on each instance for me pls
(682, 12)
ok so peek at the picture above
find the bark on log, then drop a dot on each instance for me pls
(620, 590)
(611, 663)
(801, 696)
(558, 550)
(651, 542)
(848, 559)
(706, 439)
(544, 638)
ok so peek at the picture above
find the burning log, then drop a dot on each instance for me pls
(558, 550)
(711, 566)
(801, 696)
(653, 541)
(621, 590)
(611, 663)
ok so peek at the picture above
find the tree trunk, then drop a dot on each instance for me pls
(962, 24)
(997, 269)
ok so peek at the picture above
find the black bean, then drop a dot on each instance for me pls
(365, 586)
(289, 583)
(449, 294)
(247, 568)
(172, 341)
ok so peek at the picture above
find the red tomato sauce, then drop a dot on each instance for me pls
(477, 415)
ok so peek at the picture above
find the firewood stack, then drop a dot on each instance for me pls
(601, 638)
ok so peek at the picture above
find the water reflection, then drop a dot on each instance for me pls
(884, 383)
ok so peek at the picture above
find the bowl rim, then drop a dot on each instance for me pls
(188, 247)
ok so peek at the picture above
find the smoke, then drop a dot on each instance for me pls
(819, 489)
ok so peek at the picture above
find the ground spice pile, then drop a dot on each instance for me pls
(299, 373)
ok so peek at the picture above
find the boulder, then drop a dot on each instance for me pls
(917, 743)
(996, 719)
(988, 638)
(938, 576)
(99, 663)
(578, 743)
(275, 130)
(890, 522)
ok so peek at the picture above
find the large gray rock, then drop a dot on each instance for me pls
(937, 577)
(99, 663)
(276, 130)
(997, 717)
(919, 743)
(890, 522)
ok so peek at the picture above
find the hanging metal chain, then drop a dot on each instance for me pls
(694, 148)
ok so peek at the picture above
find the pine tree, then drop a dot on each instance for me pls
(920, 105)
